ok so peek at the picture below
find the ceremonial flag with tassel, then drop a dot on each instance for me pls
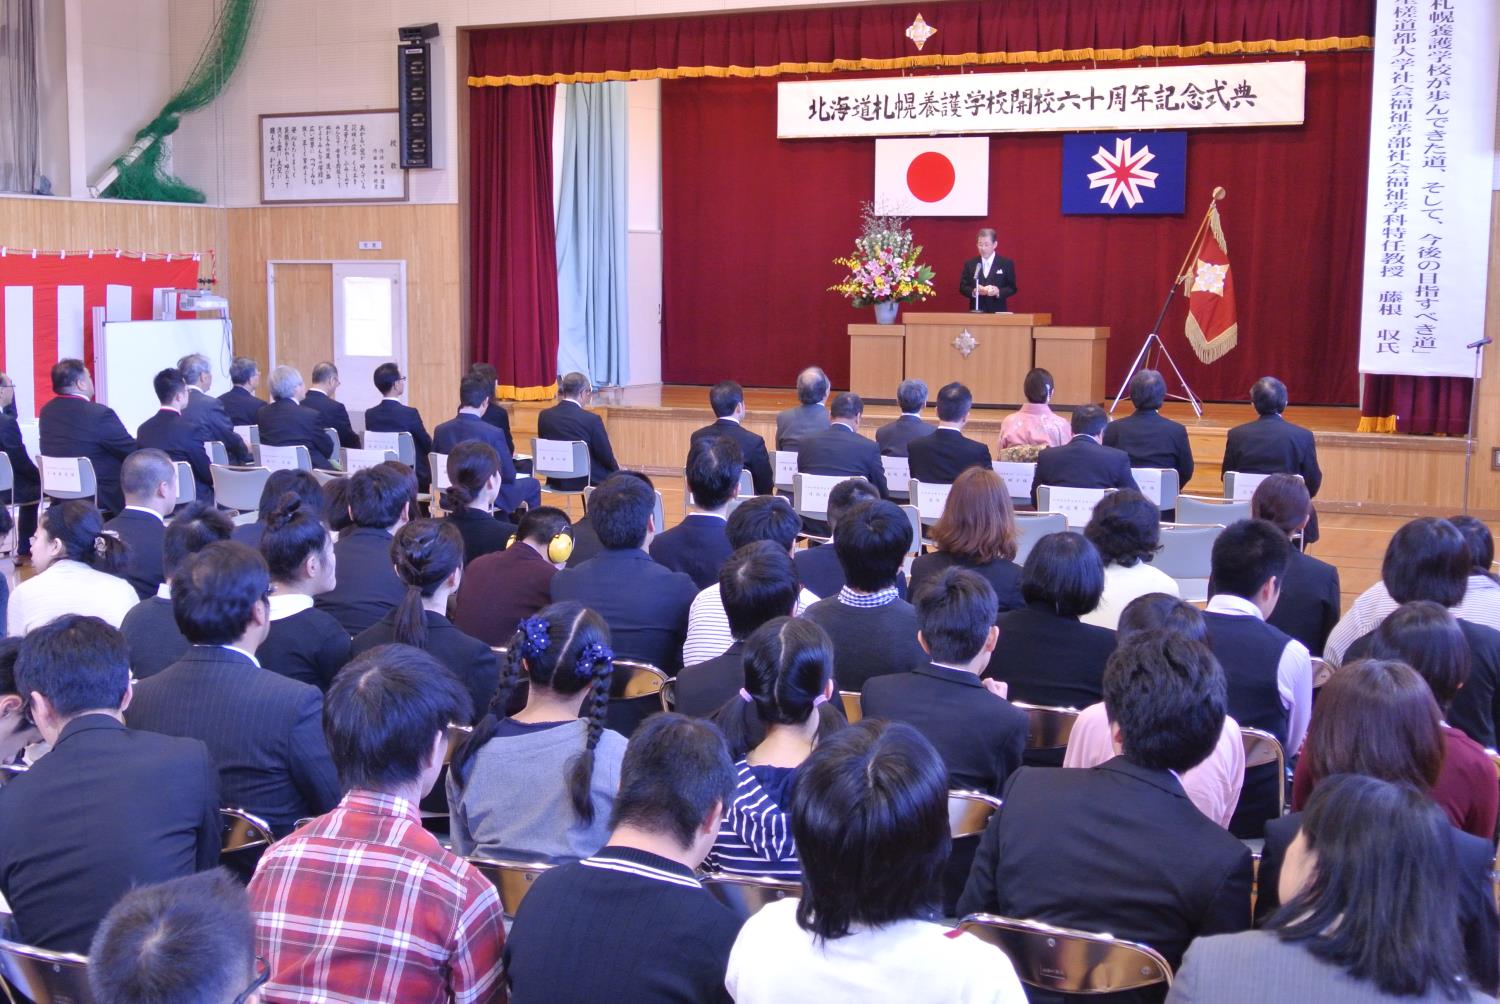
(1212, 329)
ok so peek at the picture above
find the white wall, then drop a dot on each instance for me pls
(127, 75)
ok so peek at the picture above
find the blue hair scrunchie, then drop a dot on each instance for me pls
(591, 655)
(535, 637)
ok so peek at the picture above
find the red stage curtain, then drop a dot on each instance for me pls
(751, 226)
(972, 32)
(1420, 405)
(512, 240)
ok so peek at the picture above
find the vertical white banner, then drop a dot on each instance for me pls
(1432, 129)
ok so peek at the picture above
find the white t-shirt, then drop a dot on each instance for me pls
(1121, 585)
(68, 587)
(910, 962)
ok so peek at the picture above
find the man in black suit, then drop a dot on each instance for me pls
(263, 729)
(469, 424)
(1272, 445)
(569, 420)
(894, 438)
(332, 414)
(209, 417)
(1119, 847)
(727, 399)
(390, 415)
(28, 480)
(379, 498)
(493, 413)
(239, 401)
(284, 422)
(150, 483)
(841, 450)
(698, 545)
(818, 566)
(150, 627)
(940, 458)
(645, 604)
(73, 425)
(1310, 600)
(987, 280)
(110, 807)
(809, 417)
(1084, 461)
(171, 432)
(1146, 437)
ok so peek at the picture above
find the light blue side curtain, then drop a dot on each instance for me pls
(591, 219)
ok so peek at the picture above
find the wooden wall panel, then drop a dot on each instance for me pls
(304, 316)
(68, 225)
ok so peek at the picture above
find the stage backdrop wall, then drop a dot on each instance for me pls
(751, 225)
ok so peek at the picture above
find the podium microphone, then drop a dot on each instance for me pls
(977, 266)
(1480, 344)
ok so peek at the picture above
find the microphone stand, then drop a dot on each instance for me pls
(1478, 348)
(975, 309)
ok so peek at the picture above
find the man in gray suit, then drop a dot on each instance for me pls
(894, 437)
(810, 417)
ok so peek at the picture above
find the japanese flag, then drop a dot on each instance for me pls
(933, 177)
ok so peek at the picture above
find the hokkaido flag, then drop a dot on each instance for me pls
(938, 176)
(1212, 328)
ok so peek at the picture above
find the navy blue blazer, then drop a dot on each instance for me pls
(144, 533)
(367, 583)
(75, 427)
(1272, 445)
(752, 448)
(212, 421)
(895, 438)
(391, 415)
(466, 426)
(500, 419)
(645, 604)
(1153, 441)
(471, 660)
(568, 420)
(287, 423)
(175, 435)
(1083, 463)
(940, 458)
(695, 547)
(333, 415)
(28, 478)
(242, 406)
(842, 451)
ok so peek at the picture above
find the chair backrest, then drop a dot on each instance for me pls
(437, 463)
(1322, 671)
(1032, 527)
(285, 458)
(636, 679)
(914, 516)
(239, 489)
(1018, 477)
(400, 443)
(457, 733)
(511, 879)
(1240, 486)
(668, 695)
(243, 839)
(217, 452)
(187, 488)
(7, 473)
(1064, 960)
(1077, 504)
(249, 433)
(1187, 556)
(784, 464)
(358, 460)
(746, 894)
(810, 493)
(1159, 484)
(1199, 509)
(1047, 728)
(560, 458)
(45, 977)
(1262, 748)
(325, 478)
(68, 477)
(969, 812)
(852, 710)
(333, 442)
(897, 474)
(929, 499)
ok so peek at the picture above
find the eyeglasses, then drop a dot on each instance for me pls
(262, 974)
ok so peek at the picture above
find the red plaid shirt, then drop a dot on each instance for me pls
(362, 904)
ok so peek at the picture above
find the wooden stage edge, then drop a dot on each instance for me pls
(1368, 473)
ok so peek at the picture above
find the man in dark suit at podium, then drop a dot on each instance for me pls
(174, 434)
(988, 275)
(240, 400)
(1272, 445)
(727, 399)
(284, 422)
(74, 425)
(1148, 438)
(333, 415)
(940, 458)
(895, 437)
(842, 450)
(1084, 462)
(390, 415)
(569, 420)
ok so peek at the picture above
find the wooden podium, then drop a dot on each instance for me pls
(988, 353)
(1075, 358)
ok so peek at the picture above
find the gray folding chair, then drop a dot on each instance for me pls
(1203, 509)
(897, 476)
(659, 514)
(1187, 556)
(1159, 484)
(1065, 960)
(187, 487)
(563, 459)
(1240, 485)
(217, 452)
(1032, 527)
(1047, 728)
(1077, 504)
(511, 878)
(783, 468)
(67, 478)
(747, 489)
(1262, 748)
(929, 499)
(333, 442)
(810, 493)
(400, 443)
(239, 488)
(45, 977)
(746, 894)
(357, 460)
(1018, 477)
(290, 458)
(850, 700)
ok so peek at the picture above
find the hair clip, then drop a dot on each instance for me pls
(745, 696)
(535, 637)
(591, 655)
(820, 700)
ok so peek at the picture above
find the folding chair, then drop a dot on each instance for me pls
(562, 459)
(744, 895)
(1186, 555)
(914, 516)
(1240, 485)
(969, 812)
(747, 489)
(1202, 509)
(659, 514)
(8, 484)
(333, 442)
(250, 436)
(784, 468)
(217, 452)
(1262, 748)
(239, 488)
(1018, 477)
(358, 460)
(1047, 728)
(1065, 960)
(1322, 672)
(929, 499)
(187, 487)
(1032, 527)
(45, 977)
(285, 458)
(1077, 504)
(433, 809)
(244, 839)
(1159, 484)
(668, 695)
(438, 464)
(511, 878)
(400, 443)
(325, 478)
(67, 478)
(810, 493)
(850, 701)
(897, 476)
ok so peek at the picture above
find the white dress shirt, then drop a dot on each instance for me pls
(1293, 671)
(1480, 605)
(284, 605)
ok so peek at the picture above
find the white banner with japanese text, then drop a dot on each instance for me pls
(1432, 128)
(1214, 95)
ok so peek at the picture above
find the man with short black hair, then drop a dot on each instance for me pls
(390, 415)
(380, 504)
(841, 450)
(110, 807)
(503, 588)
(72, 424)
(809, 417)
(363, 904)
(284, 422)
(239, 401)
(698, 545)
(208, 415)
(638, 897)
(894, 438)
(1084, 461)
(644, 603)
(150, 628)
(149, 481)
(570, 420)
(189, 939)
(173, 433)
(332, 414)
(940, 458)
(262, 728)
(493, 413)
(874, 631)
(1149, 439)
(818, 564)
(1272, 445)
(468, 426)
(727, 399)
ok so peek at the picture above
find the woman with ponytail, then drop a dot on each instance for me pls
(429, 559)
(78, 568)
(772, 726)
(542, 781)
(304, 643)
(474, 482)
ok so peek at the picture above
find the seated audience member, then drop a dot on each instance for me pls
(756, 584)
(570, 420)
(874, 631)
(1272, 445)
(810, 415)
(585, 541)
(1146, 437)
(1119, 847)
(418, 924)
(302, 642)
(262, 728)
(149, 482)
(284, 422)
(207, 413)
(332, 414)
(698, 545)
(150, 628)
(1310, 598)
(894, 438)
(1483, 581)
(772, 725)
(638, 895)
(1213, 785)
(727, 399)
(1379, 720)
(17, 730)
(941, 457)
(764, 518)
(301, 484)
(542, 781)
(872, 792)
(239, 401)
(429, 559)
(977, 531)
(475, 394)
(840, 450)
(28, 480)
(474, 484)
(501, 589)
(1034, 423)
(187, 939)
(77, 567)
(1126, 528)
(1084, 462)
(644, 604)
(109, 808)
(336, 514)
(818, 564)
(174, 434)
(379, 502)
(72, 424)
(1427, 638)
(390, 415)
(1370, 888)
(495, 415)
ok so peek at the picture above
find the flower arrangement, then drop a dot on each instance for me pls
(884, 266)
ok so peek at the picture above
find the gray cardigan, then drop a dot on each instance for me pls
(516, 799)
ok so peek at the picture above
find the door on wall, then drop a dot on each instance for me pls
(301, 316)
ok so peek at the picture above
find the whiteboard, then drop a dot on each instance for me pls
(127, 354)
(331, 157)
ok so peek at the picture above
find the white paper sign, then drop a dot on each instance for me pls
(247, 433)
(1148, 480)
(1017, 477)
(61, 474)
(383, 441)
(930, 500)
(812, 492)
(358, 460)
(1077, 504)
(279, 458)
(897, 471)
(440, 472)
(1245, 485)
(551, 455)
(786, 467)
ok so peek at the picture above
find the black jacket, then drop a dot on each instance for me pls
(465, 427)
(645, 604)
(1153, 441)
(696, 547)
(842, 451)
(483, 533)
(333, 415)
(367, 583)
(28, 479)
(174, 434)
(1082, 463)
(500, 419)
(705, 687)
(940, 458)
(1049, 659)
(895, 438)
(820, 573)
(309, 646)
(1310, 601)
(568, 420)
(391, 415)
(1002, 274)
(242, 407)
(752, 447)
(143, 534)
(155, 641)
(287, 423)
(211, 420)
(471, 660)
(73, 427)
(1272, 445)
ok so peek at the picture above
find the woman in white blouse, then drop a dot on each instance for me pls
(75, 562)
(1126, 528)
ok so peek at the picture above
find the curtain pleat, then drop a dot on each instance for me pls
(19, 108)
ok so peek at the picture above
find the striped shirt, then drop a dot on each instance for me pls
(1480, 605)
(755, 835)
(708, 635)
